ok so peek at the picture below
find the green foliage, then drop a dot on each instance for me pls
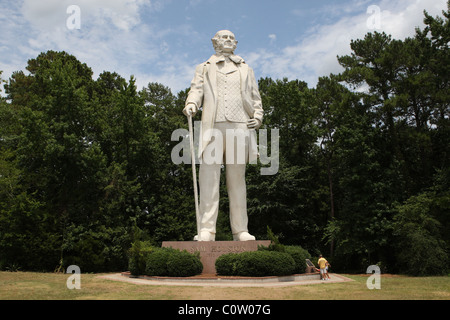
(184, 264)
(87, 156)
(227, 264)
(156, 263)
(138, 254)
(299, 255)
(173, 263)
(275, 244)
(296, 252)
(420, 246)
(255, 264)
(95, 248)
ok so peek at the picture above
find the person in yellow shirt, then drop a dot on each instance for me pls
(323, 264)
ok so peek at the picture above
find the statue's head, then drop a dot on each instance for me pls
(224, 42)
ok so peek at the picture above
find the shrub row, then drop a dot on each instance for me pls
(150, 261)
(255, 264)
(267, 261)
(296, 252)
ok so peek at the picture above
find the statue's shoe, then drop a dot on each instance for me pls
(243, 236)
(205, 236)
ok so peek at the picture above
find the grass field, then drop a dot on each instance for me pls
(51, 286)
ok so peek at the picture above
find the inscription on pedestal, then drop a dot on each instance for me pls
(211, 250)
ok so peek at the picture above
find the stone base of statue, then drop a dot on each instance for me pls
(211, 250)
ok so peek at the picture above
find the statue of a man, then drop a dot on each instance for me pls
(226, 88)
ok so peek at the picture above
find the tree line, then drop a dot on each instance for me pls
(85, 164)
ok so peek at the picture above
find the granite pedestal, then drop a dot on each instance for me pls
(211, 250)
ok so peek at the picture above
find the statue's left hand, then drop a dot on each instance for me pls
(253, 124)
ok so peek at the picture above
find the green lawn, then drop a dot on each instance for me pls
(49, 286)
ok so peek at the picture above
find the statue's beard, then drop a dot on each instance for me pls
(220, 51)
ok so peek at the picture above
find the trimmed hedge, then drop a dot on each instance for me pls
(227, 264)
(156, 263)
(255, 264)
(147, 260)
(299, 255)
(172, 263)
(183, 264)
(296, 252)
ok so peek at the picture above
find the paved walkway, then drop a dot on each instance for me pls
(229, 282)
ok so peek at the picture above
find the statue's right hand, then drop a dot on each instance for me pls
(190, 110)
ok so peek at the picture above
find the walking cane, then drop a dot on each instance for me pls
(194, 175)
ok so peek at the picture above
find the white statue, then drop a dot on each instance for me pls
(226, 88)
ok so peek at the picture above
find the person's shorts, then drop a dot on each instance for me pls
(322, 271)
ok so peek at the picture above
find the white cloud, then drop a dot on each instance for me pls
(315, 55)
(50, 14)
(176, 77)
(113, 37)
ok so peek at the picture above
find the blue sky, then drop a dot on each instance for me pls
(162, 40)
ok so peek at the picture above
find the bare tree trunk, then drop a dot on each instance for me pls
(330, 180)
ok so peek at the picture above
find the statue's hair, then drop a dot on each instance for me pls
(217, 37)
